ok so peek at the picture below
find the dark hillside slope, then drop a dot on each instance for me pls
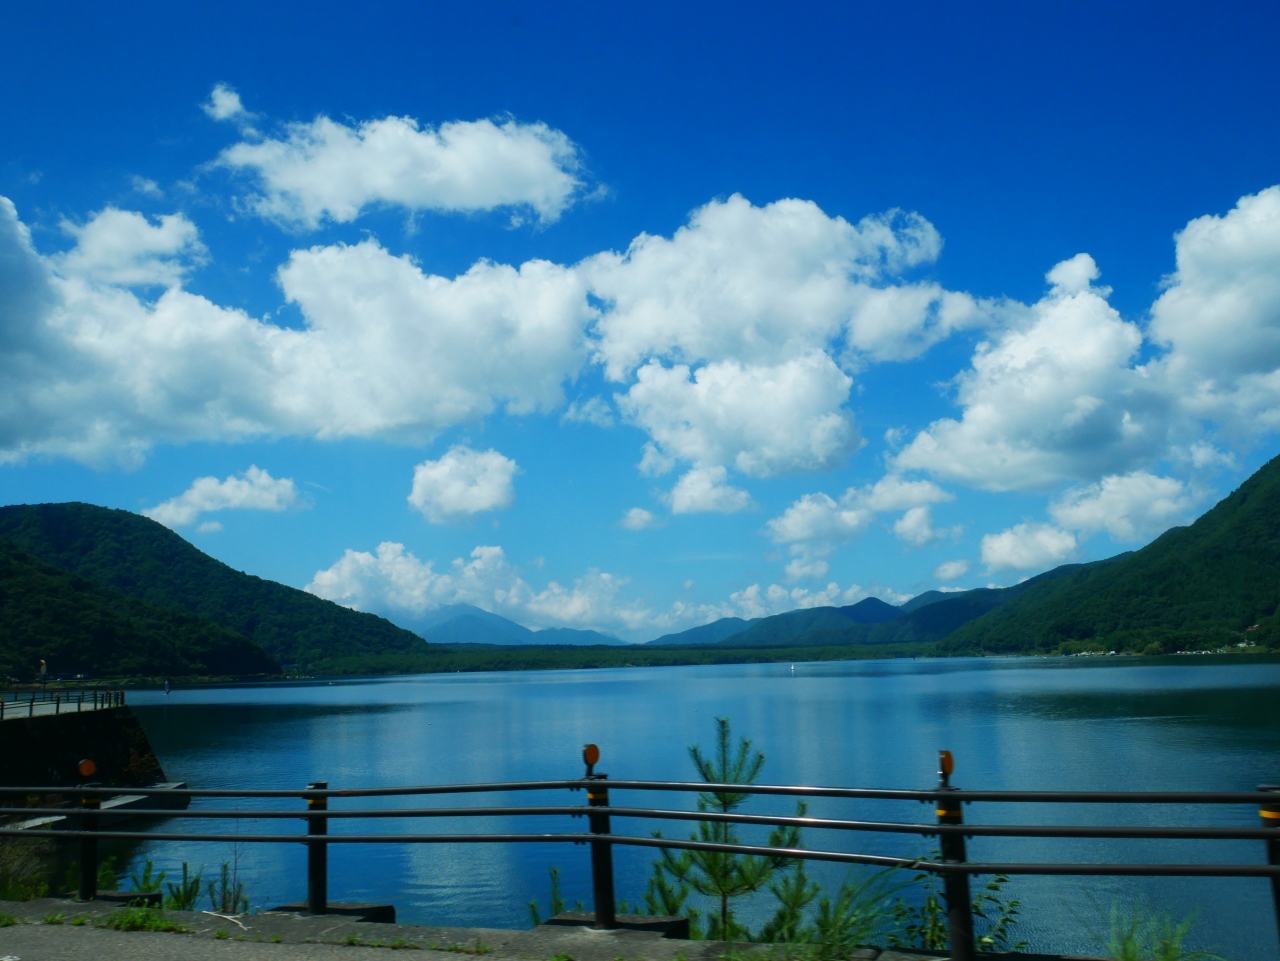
(78, 627)
(712, 633)
(146, 561)
(929, 622)
(1192, 587)
(819, 625)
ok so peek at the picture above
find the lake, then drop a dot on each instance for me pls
(1026, 724)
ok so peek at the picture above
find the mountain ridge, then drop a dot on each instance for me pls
(1208, 582)
(141, 559)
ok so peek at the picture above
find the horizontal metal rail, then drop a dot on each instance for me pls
(801, 854)
(1043, 797)
(88, 823)
(834, 824)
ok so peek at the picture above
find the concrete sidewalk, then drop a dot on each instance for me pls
(41, 936)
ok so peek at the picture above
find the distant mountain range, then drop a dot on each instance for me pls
(928, 617)
(465, 624)
(109, 592)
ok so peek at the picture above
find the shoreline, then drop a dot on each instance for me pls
(766, 656)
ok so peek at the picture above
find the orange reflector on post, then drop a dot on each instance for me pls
(946, 763)
(591, 754)
(87, 768)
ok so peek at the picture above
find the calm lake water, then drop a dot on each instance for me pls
(1052, 724)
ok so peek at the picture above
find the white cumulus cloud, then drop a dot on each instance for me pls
(638, 519)
(951, 570)
(591, 410)
(124, 248)
(916, 527)
(1219, 316)
(395, 583)
(255, 489)
(1130, 507)
(461, 483)
(762, 420)
(224, 104)
(146, 187)
(755, 284)
(819, 521)
(1026, 547)
(325, 170)
(1055, 397)
(89, 370)
(704, 490)
(817, 517)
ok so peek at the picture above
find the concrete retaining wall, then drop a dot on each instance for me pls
(45, 751)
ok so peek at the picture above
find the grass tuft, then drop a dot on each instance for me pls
(139, 919)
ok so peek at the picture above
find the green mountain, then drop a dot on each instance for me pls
(465, 624)
(1192, 588)
(712, 633)
(927, 618)
(78, 627)
(146, 561)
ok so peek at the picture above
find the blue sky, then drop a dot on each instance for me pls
(634, 318)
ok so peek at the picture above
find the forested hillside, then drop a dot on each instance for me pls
(1194, 587)
(146, 561)
(78, 627)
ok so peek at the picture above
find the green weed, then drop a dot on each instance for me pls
(1139, 934)
(7, 920)
(107, 880)
(227, 894)
(185, 894)
(24, 865)
(55, 918)
(557, 902)
(148, 881)
(139, 919)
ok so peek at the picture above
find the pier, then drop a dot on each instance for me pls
(40, 702)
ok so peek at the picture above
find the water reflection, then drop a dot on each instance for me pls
(1029, 724)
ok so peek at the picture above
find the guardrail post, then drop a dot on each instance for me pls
(601, 851)
(955, 884)
(31, 711)
(88, 848)
(1271, 819)
(317, 852)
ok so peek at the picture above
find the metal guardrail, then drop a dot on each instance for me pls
(952, 865)
(34, 702)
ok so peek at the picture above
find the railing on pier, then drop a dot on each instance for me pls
(60, 700)
(952, 864)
